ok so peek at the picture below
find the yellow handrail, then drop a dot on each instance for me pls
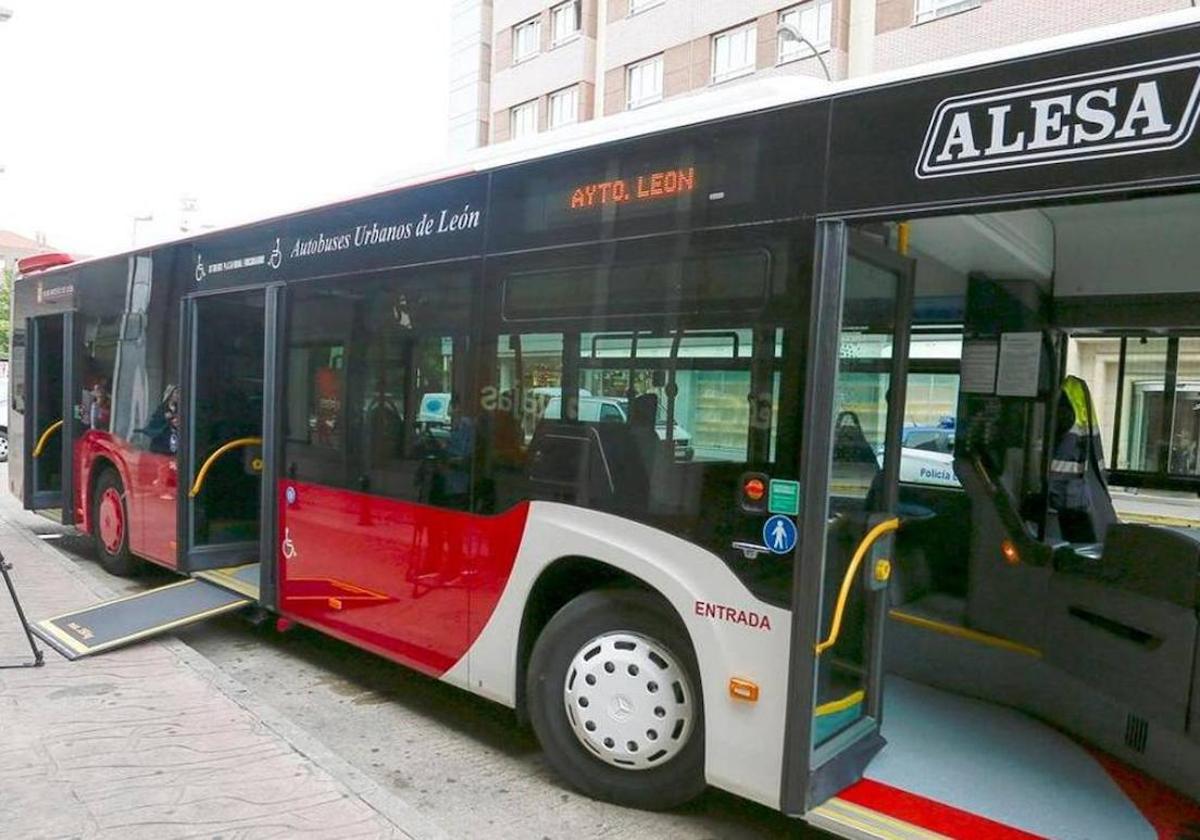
(208, 462)
(885, 527)
(41, 444)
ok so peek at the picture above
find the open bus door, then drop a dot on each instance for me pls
(850, 470)
(50, 422)
(225, 436)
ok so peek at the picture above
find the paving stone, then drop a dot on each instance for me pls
(138, 743)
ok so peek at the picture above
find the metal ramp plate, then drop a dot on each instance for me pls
(125, 620)
(240, 579)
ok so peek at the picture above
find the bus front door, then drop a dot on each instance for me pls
(49, 424)
(221, 442)
(850, 467)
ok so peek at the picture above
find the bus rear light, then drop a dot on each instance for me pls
(1009, 551)
(740, 689)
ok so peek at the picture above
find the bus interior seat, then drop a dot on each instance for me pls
(1008, 569)
(1129, 622)
(598, 465)
(627, 451)
(557, 464)
(850, 444)
(1160, 563)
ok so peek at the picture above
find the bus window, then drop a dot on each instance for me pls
(1185, 413)
(1142, 440)
(100, 339)
(377, 397)
(931, 407)
(315, 374)
(527, 386)
(653, 373)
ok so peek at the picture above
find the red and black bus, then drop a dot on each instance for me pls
(613, 431)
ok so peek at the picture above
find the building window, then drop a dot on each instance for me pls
(527, 39)
(636, 6)
(933, 9)
(524, 119)
(564, 22)
(564, 107)
(645, 82)
(733, 52)
(815, 22)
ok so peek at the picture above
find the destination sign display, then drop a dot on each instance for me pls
(648, 187)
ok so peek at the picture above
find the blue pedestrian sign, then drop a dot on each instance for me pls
(779, 534)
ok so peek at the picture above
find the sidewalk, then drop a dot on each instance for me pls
(153, 741)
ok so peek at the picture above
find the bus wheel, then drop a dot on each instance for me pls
(110, 526)
(613, 698)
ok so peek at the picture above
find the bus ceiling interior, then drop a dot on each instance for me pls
(1078, 605)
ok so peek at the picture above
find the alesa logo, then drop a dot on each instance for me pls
(1130, 110)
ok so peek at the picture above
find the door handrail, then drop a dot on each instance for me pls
(887, 526)
(208, 462)
(41, 444)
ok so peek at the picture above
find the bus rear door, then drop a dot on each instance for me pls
(50, 424)
(850, 467)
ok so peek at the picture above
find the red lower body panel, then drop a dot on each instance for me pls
(409, 581)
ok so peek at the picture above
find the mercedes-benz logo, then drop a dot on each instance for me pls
(621, 708)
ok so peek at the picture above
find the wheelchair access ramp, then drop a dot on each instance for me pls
(123, 621)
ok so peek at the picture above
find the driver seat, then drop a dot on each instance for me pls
(1085, 524)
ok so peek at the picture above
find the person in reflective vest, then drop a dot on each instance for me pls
(1078, 489)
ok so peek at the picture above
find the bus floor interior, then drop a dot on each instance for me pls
(1042, 674)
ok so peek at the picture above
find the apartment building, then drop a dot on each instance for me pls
(522, 67)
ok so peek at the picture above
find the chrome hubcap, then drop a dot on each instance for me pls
(629, 701)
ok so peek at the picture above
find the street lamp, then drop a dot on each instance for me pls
(136, 220)
(5, 14)
(791, 32)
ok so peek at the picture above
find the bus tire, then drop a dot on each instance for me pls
(613, 695)
(110, 526)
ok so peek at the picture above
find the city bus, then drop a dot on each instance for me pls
(340, 418)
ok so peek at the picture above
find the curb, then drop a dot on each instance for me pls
(402, 815)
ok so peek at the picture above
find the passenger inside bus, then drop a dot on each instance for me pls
(162, 429)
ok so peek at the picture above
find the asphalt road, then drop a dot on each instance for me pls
(462, 761)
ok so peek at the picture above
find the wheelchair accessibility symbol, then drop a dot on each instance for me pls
(779, 534)
(288, 548)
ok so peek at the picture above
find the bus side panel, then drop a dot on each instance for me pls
(391, 576)
(734, 634)
(151, 483)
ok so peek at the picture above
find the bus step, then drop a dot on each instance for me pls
(132, 618)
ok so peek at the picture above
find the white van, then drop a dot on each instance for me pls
(616, 410)
(3, 419)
